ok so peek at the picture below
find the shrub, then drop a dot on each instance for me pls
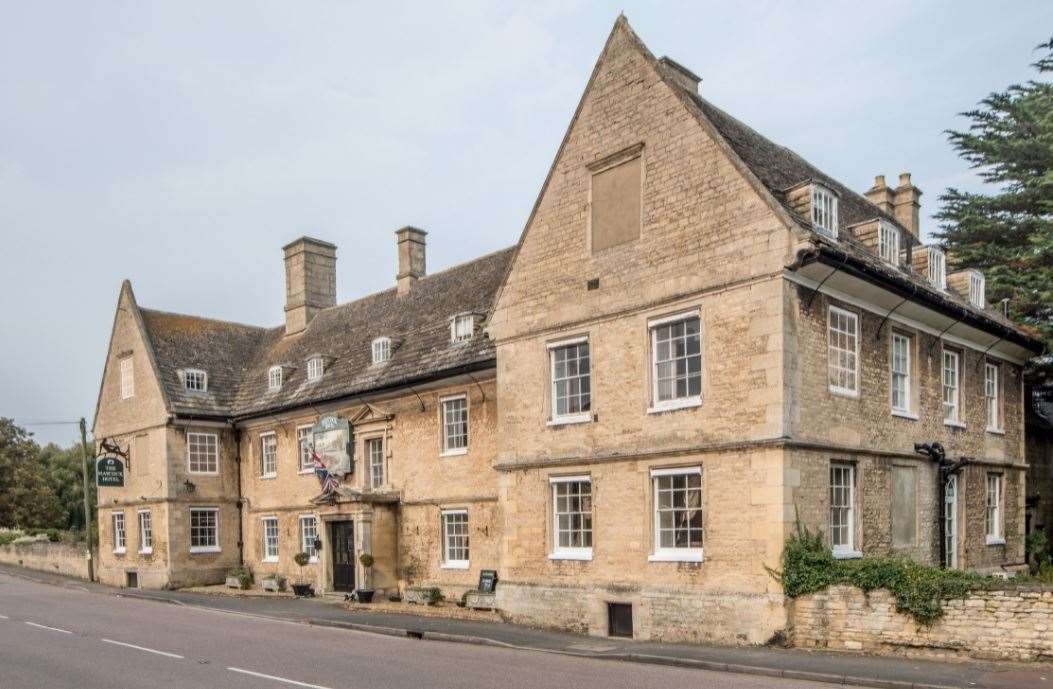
(434, 596)
(244, 576)
(54, 535)
(301, 559)
(366, 559)
(9, 536)
(809, 566)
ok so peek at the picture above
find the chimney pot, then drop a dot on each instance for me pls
(310, 281)
(879, 181)
(412, 258)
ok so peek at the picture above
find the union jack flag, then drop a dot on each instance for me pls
(328, 481)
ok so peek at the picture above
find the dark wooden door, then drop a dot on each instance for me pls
(343, 540)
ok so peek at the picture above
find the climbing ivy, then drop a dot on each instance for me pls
(809, 566)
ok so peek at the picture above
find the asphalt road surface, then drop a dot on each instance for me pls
(56, 637)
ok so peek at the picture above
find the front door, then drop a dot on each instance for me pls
(343, 540)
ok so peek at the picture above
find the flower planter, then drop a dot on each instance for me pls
(364, 595)
(303, 590)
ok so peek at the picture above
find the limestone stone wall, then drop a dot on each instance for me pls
(728, 597)
(1003, 625)
(403, 513)
(60, 558)
(866, 421)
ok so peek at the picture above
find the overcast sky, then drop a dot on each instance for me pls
(181, 144)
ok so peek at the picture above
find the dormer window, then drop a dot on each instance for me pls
(888, 242)
(824, 211)
(977, 289)
(195, 380)
(315, 368)
(274, 378)
(381, 349)
(462, 327)
(937, 268)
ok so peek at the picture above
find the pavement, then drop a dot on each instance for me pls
(489, 643)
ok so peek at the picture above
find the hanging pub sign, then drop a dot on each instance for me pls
(332, 445)
(109, 472)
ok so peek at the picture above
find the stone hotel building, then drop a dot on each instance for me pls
(698, 339)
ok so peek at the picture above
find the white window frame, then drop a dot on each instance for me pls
(447, 561)
(568, 552)
(824, 211)
(265, 523)
(193, 437)
(302, 468)
(674, 554)
(950, 520)
(307, 546)
(215, 530)
(264, 438)
(844, 550)
(457, 332)
(578, 417)
(195, 380)
(446, 449)
(993, 396)
(274, 378)
(906, 409)
(832, 349)
(888, 242)
(956, 417)
(381, 349)
(315, 369)
(993, 510)
(373, 462)
(674, 403)
(127, 378)
(120, 532)
(937, 268)
(977, 289)
(146, 531)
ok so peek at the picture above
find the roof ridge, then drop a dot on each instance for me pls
(224, 321)
(456, 266)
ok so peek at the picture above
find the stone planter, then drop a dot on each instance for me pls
(303, 590)
(233, 583)
(364, 595)
(477, 600)
(422, 595)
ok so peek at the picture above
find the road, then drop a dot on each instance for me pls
(56, 637)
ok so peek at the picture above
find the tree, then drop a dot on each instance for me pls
(1008, 233)
(63, 472)
(27, 499)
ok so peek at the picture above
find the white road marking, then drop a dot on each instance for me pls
(144, 648)
(276, 679)
(44, 626)
(4, 617)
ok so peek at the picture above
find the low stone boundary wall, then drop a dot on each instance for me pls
(1015, 624)
(61, 558)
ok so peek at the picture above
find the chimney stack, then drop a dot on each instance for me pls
(907, 205)
(902, 203)
(880, 195)
(411, 257)
(310, 281)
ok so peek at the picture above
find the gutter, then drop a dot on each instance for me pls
(846, 263)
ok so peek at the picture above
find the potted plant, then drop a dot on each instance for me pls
(365, 595)
(302, 588)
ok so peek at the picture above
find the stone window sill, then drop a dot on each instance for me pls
(904, 414)
(455, 564)
(847, 554)
(204, 549)
(996, 431)
(690, 556)
(995, 540)
(674, 405)
(456, 452)
(954, 424)
(582, 555)
(570, 420)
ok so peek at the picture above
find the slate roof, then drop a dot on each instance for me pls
(779, 169)
(237, 357)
